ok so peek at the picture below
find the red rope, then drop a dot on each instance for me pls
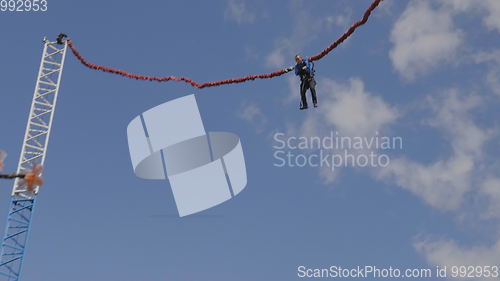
(348, 33)
(232, 80)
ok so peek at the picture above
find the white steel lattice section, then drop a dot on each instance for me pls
(41, 113)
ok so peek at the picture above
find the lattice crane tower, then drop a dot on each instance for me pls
(34, 150)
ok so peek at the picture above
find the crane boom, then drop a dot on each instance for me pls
(33, 151)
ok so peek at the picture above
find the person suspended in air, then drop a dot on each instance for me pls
(304, 70)
(31, 179)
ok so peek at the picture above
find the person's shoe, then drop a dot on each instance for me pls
(303, 107)
(315, 105)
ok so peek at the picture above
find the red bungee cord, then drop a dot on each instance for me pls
(316, 57)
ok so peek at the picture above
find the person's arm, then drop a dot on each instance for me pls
(308, 66)
(296, 69)
(11, 176)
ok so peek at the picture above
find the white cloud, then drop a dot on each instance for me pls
(444, 183)
(341, 20)
(327, 176)
(275, 59)
(423, 38)
(492, 56)
(293, 89)
(493, 80)
(448, 253)
(237, 11)
(348, 109)
(490, 7)
(492, 21)
(305, 27)
(492, 77)
(490, 189)
(251, 113)
(459, 6)
(387, 7)
(353, 110)
(461, 182)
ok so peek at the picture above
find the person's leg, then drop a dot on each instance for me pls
(314, 98)
(303, 90)
(312, 85)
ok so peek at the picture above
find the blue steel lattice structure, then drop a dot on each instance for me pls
(13, 247)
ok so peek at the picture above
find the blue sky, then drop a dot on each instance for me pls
(423, 70)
